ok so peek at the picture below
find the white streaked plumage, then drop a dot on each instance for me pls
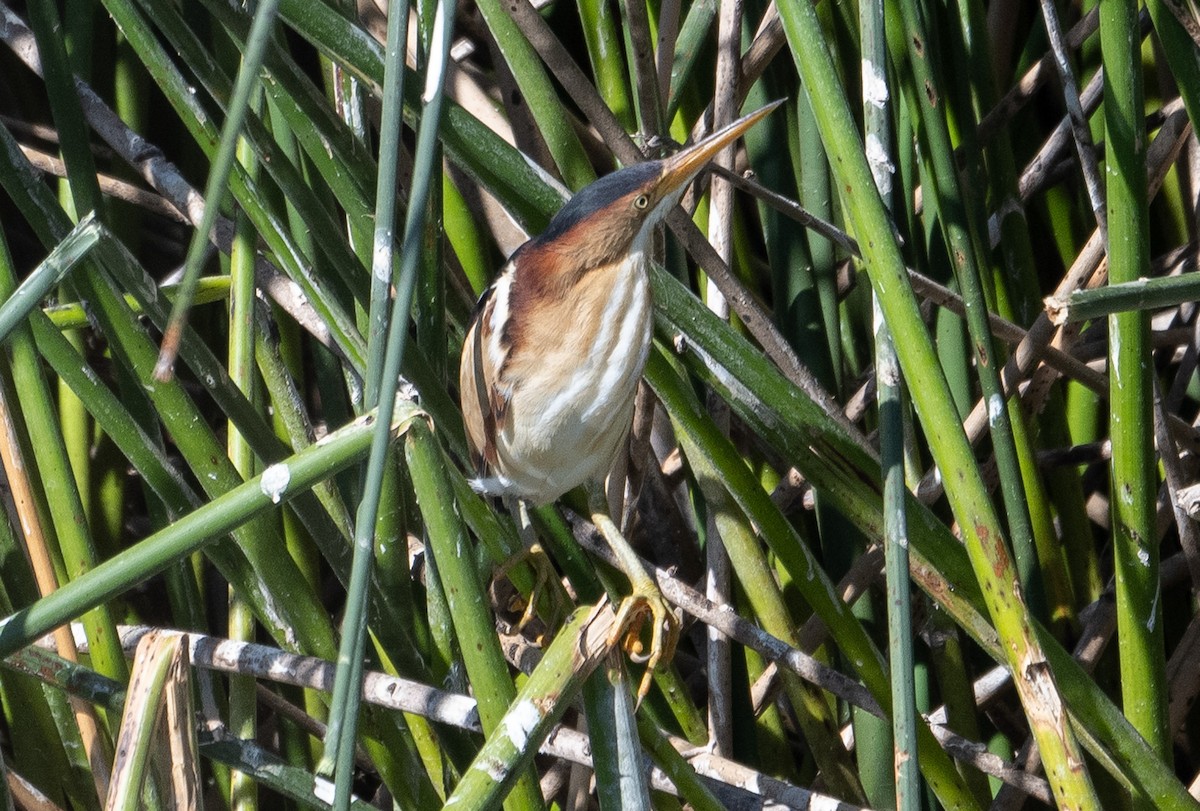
(553, 438)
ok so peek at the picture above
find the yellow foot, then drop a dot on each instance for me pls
(544, 575)
(645, 600)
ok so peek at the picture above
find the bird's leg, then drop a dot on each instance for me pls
(532, 553)
(644, 598)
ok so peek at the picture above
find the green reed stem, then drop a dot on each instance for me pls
(466, 596)
(1137, 294)
(890, 396)
(606, 52)
(693, 36)
(344, 714)
(49, 272)
(218, 180)
(612, 729)
(391, 126)
(341, 734)
(243, 702)
(966, 254)
(1134, 475)
(546, 695)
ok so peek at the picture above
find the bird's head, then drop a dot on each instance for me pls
(613, 217)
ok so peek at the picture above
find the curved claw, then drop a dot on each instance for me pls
(645, 600)
(544, 575)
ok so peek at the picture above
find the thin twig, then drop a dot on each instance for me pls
(1076, 115)
(718, 571)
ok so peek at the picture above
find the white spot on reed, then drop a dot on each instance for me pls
(520, 721)
(274, 482)
(880, 163)
(995, 408)
(323, 789)
(381, 261)
(436, 68)
(875, 89)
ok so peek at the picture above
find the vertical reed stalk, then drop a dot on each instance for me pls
(1134, 475)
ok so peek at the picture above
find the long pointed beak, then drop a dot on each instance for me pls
(683, 166)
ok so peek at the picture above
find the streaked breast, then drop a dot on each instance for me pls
(574, 377)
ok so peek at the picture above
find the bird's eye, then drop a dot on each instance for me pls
(641, 202)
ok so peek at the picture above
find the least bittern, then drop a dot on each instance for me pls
(552, 358)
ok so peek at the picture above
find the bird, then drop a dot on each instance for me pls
(555, 350)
